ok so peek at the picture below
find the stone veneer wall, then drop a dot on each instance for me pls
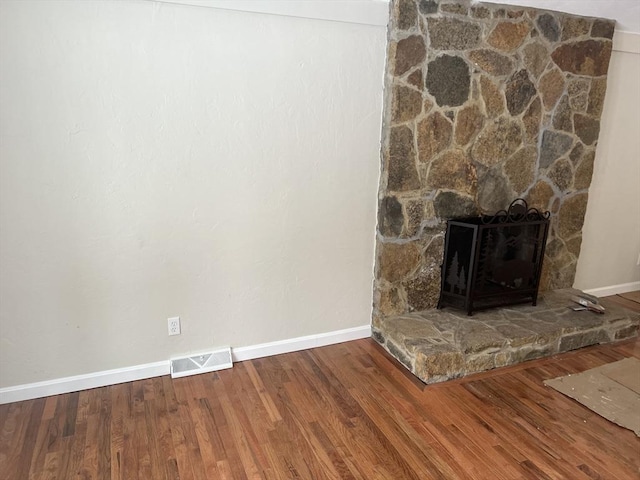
(484, 103)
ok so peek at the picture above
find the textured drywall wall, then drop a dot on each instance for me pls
(162, 160)
(611, 233)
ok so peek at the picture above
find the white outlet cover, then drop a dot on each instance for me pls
(170, 322)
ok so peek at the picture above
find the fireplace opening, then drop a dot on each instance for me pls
(494, 260)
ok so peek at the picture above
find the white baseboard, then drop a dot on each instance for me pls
(140, 372)
(614, 289)
(301, 343)
(82, 382)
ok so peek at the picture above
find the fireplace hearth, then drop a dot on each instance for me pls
(494, 260)
(439, 345)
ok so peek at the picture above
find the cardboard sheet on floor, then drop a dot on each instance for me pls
(612, 391)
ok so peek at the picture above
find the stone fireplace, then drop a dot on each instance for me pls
(484, 103)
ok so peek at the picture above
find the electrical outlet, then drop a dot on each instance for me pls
(174, 325)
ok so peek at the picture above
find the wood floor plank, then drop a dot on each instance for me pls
(625, 302)
(28, 432)
(345, 411)
(75, 454)
(40, 447)
(180, 445)
(633, 296)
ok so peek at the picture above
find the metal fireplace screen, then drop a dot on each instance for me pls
(492, 261)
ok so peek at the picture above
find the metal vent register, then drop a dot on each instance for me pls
(494, 260)
(201, 363)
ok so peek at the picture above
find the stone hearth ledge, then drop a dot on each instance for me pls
(439, 345)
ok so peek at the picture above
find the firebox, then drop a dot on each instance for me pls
(494, 260)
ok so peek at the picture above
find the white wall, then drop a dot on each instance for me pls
(610, 257)
(160, 159)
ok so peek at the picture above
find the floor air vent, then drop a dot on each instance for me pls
(201, 363)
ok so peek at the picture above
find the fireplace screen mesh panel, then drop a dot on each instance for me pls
(492, 261)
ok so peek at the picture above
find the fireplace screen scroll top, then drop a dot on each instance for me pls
(492, 261)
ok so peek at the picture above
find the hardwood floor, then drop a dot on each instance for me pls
(345, 411)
